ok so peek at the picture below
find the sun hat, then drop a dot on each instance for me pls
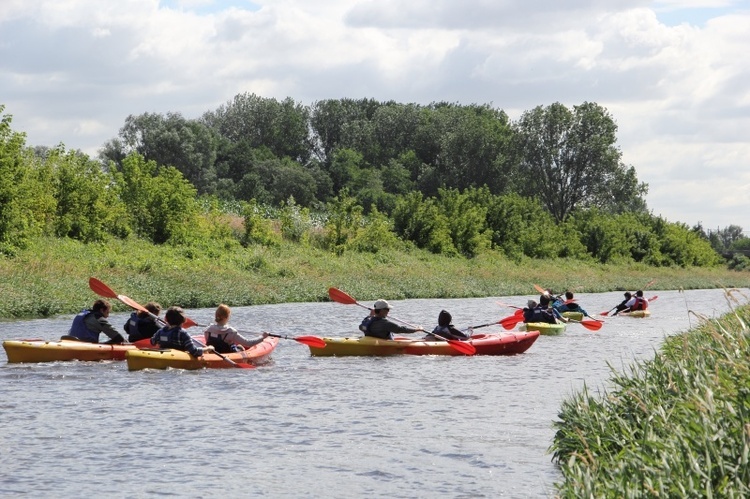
(381, 305)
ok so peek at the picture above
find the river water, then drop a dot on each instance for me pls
(317, 427)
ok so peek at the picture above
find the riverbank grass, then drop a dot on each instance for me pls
(675, 426)
(51, 276)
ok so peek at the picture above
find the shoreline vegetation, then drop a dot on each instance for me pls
(674, 426)
(50, 276)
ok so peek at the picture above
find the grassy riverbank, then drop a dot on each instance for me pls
(51, 277)
(676, 426)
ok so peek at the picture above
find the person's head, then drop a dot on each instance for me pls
(568, 295)
(175, 316)
(381, 307)
(152, 307)
(544, 301)
(444, 318)
(628, 295)
(639, 293)
(101, 307)
(531, 304)
(222, 313)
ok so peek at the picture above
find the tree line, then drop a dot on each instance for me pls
(351, 175)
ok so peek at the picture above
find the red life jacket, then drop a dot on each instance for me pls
(640, 304)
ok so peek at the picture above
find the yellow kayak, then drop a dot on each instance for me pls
(576, 316)
(544, 328)
(637, 313)
(177, 359)
(65, 349)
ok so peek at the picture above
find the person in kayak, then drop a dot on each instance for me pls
(541, 312)
(637, 302)
(569, 305)
(90, 323)
(624, 304)
(175, 337)
(445, 329)
(225, 338)
(378, 325)
(142, 325)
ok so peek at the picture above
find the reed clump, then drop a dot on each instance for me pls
(674, 426)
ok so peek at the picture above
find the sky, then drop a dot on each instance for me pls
(674, 75)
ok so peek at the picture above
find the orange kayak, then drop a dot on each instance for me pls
(177, 359)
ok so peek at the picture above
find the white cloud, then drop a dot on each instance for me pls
(71, 71)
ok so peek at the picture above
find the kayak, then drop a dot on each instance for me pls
(576, 316)
(367, 346)
(637, 313)
(544, 328)
(177, 359)
(64, 349)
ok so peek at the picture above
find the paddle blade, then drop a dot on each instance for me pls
(592, 325)
(464, 348)
(540, 289)
(518, 313)
(189, 323)
(100, 288)
(510, 321)
(653, 298)
(312, 341)
(340, 297)
(605, 314)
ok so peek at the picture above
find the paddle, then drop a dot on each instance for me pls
(511, 321)
(102, 289)
(312, 341)
(590, 325)
(341, 297)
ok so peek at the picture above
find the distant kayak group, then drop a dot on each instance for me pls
(154, 342)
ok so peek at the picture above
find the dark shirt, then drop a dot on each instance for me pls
(176, 338)
(384, 328)
(140, 328)
(539, 314)
(448, 332)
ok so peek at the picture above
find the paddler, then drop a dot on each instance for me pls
(90, 323)
(445, 329)
(378, 325)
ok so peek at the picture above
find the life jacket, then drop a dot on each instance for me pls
(79, 329)
(139, 328)
(367, 322)
(640, 304)
(539, 314)
(217, 341)
(448, 332)
(169, 338)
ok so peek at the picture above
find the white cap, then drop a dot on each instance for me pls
(382, 305)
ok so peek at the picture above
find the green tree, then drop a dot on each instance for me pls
(87, 208)
(25, 201)
(171, 140)
(281, 126)
(161, 202)
(421, 221)
(569, 159)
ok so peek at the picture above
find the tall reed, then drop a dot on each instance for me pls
(674, 426)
